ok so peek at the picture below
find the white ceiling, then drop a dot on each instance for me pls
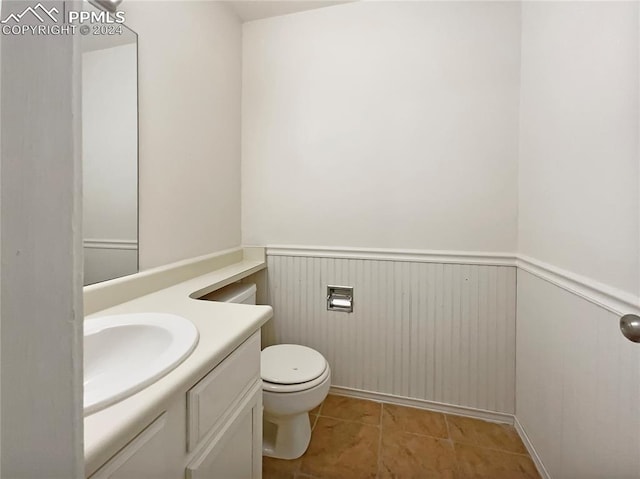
(249, 10)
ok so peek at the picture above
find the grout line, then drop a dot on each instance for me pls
(439, 438)
(462, 443)
(525, 454)
(313, 426)
(453, 446)
(379, 464)
(446, 423)
(298, 470)
(350, 420)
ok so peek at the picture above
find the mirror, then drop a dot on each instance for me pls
(109, 153)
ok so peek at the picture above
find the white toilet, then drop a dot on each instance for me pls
(295, 379)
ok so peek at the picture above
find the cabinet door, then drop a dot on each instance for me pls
(156, 453)
(235, 453)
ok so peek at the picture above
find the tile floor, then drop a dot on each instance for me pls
(358, 439)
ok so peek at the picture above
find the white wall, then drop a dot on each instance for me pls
(41, 256)
(578, 170)
(190, 80)
(382, 124)
(104, 261)
(578, 378)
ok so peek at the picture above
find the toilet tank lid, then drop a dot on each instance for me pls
(291, 364)
(233, 293)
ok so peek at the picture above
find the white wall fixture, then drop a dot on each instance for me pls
(124, 353)
(340, 298)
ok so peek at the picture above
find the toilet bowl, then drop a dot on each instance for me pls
(295, 380)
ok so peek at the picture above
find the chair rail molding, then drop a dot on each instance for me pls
(400, 255)
(110, 244)
(607, 297)
(612, 299)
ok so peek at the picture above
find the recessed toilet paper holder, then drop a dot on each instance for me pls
(340, 298)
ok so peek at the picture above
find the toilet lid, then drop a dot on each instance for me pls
(291, 364)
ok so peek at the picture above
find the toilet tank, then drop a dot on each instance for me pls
(244, 293)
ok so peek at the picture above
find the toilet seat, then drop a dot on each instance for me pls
(291, 367)
(292, 388)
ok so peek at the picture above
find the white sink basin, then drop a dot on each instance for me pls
(125, 353)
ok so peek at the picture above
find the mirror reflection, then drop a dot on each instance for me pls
(110, 155)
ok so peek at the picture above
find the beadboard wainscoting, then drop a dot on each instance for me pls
(578, 384)
(422, 328)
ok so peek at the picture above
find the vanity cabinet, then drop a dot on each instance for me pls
(213, 430)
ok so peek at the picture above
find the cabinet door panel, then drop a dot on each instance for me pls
(156, 453)
(230, 461)
(217, 391)
(232, 454)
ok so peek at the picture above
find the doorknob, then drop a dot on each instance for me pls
(630, 327)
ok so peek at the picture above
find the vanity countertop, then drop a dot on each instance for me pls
(222, 327)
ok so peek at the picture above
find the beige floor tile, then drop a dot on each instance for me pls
(351, 409)
(316, 410)
(485, 434)
(313, 418)
(480, 463)
(279, 468)
(342, 450)
(417, 421)
(409, 456)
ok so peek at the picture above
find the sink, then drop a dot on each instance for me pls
(125, 353)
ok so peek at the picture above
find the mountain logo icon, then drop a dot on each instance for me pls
(38, 11)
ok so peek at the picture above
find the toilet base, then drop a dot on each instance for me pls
(286, 437)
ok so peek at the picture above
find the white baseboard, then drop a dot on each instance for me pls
(424, 404)
(532, 451)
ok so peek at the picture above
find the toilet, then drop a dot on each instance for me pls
(295, 380)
